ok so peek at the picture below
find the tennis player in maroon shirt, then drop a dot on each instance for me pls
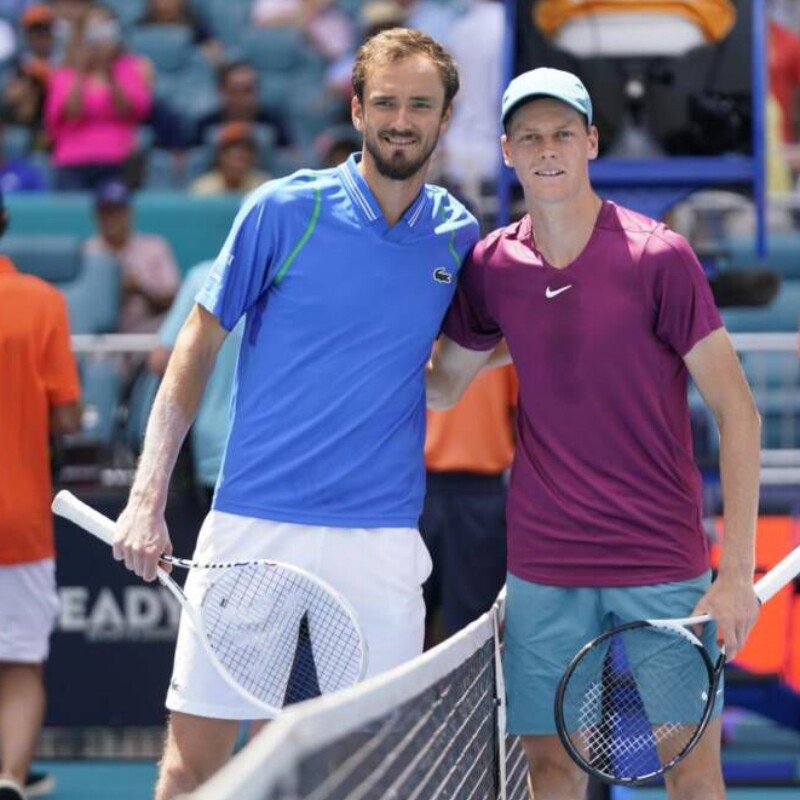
(606, 314)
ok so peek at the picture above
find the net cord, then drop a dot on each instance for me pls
(500, 689)
(270, 759)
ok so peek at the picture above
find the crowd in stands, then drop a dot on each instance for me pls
(145, 91)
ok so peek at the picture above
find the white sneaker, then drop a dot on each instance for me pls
(9, 790)
(38, 784)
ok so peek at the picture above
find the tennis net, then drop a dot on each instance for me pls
(432, 728)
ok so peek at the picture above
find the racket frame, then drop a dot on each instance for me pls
(713, 670)
(66, 505)
(769, 585)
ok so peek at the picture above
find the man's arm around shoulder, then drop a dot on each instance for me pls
(452, 369)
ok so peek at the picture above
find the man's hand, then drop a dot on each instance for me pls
(734, 606)
(141, 539)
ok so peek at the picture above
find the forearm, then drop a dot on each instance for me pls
(450, 371)
(441, 390)
(500, 357)
(173, 412)
(121, 102)
(740, 444)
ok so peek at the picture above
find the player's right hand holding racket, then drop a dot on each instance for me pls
(141, 538)
(635, 700)
(257, 620)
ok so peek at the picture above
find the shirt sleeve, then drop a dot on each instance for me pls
(469, 322)
(58, 368)
(245, 266)
(684, 305)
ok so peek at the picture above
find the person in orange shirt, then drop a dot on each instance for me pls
(468, 450)
(39, 397)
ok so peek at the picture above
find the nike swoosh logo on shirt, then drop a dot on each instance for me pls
(551, 293)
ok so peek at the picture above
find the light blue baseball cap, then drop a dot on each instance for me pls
(546, 82)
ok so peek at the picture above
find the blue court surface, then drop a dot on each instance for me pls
(101, 780)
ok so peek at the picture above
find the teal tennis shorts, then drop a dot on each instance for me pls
(547, 625)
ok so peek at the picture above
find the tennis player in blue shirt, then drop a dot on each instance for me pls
(343, 277)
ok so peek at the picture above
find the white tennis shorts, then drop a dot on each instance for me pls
(28, 610)
(379, 570)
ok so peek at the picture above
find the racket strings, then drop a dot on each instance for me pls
(280, 635)
(634, 702)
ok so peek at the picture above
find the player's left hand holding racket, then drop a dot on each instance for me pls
(635, 700)
(254, 617)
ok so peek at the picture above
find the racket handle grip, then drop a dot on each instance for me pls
(66, 505)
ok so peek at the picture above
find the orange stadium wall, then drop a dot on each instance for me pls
(774, 645)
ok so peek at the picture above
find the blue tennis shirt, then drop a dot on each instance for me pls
(341, 309)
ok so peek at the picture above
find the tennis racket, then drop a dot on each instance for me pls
(635, 700)
(274, 632)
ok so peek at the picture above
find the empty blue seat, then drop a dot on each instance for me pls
(128, 11)
(55, 258)
(274, 49)
(16, 141)
(783, 254)
(169, 47)
(228, 19)
(89, 282)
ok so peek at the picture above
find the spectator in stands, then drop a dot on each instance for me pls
(23, 97)
(374, 17)
(468, 451)
(150, 276)
(68, 28)
(210, 427)
(178, 12)
(335, 145)
(431, 16)
(24, 91)
(237, 83)
(37, 23)
(327, 29)
(469, 152)
(41, 398)
(235, 168)
(94, 106)
(18, 174)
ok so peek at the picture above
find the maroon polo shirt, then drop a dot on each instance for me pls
(604, 488)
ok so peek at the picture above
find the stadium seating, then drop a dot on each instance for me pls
(16, 141)
(169, 47)
(783, 254)
(195, 226)
(89, 282)
(129, 12)
(91, 286)
(779, 316)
